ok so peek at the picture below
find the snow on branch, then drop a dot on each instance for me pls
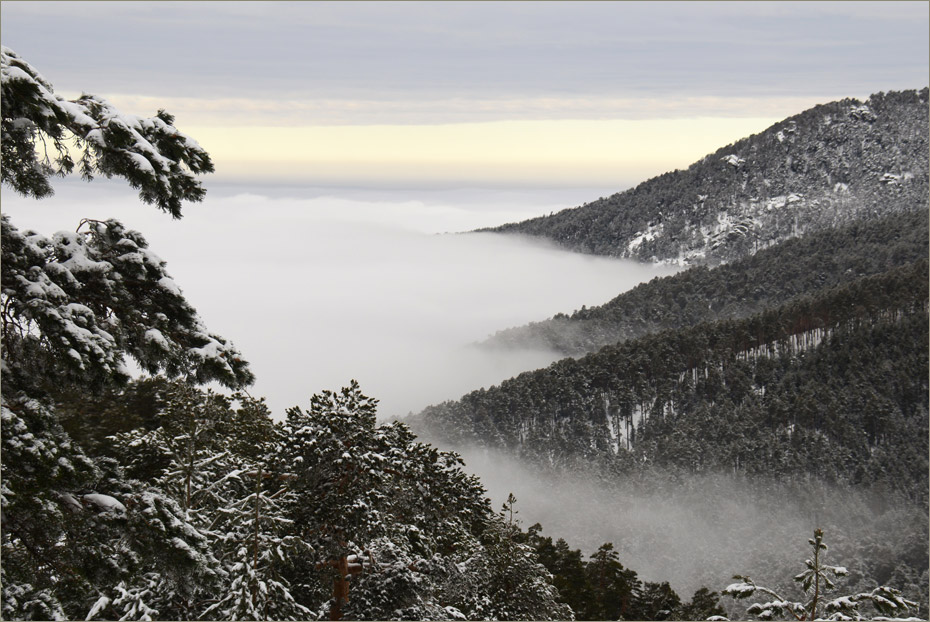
(150, 153)
(87, 299)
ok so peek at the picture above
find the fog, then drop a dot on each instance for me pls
(318, 286)
(695, 532)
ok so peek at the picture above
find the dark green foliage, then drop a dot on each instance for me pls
(611, 587)
(657, 601)
(704, 604)
(771, 277)
(90, 418)
(794, 390)
(150, 154)
(828, 165)
(79, 538)
(76, 304)
(422, 530)
(602, 589)
(75, 528)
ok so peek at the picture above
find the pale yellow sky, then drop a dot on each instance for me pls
(559, 152)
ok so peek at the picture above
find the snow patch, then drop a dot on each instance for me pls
(104, 502)
(862, 113)
(169, 284)
(153, 335)
(734, 160)
(651, 233)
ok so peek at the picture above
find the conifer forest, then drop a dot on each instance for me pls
(781, 370)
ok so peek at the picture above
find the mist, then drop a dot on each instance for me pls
(318, 286)
(693, 532)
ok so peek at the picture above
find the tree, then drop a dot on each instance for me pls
(816, 581)
(79, 538)
(655, 601)
(398, 530)
(75, 305)
(612, 587)
(214, 461)
(151, 154)
(704, 604)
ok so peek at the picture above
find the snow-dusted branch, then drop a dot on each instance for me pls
(150, 153)
(816, 581)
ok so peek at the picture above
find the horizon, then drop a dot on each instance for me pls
(470, 94)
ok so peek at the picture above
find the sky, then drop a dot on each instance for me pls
(433, 94)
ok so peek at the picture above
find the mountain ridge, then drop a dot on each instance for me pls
(833, 163)
(799, 266)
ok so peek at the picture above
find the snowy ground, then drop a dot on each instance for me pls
(319, 286)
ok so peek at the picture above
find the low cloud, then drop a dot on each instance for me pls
(324, 288)
(693, 531)
(430, 110)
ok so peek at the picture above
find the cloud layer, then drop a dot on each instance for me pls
(320, 289)
(569, 57)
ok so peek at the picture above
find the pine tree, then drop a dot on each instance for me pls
(151, 154)
(398, 530)
(79, 538)
(703, 605)
(214, 461)
(817, 579)
(612, 587)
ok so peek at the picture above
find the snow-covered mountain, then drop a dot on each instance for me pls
(829, 165)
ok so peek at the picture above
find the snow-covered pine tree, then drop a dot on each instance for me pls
(399, 531)
(77, 535)
(75, 530)
(151, 154)
(816, 581)
(75, 305)
(213, 460)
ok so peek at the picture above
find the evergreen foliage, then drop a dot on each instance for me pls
(602, 589)
(405, 517)
(75, 305)
(150, 154)
(79, 537)
(734, 395)
(773, 276)
(837, 162)
(816, 581)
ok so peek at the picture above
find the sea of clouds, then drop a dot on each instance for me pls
(318, 286)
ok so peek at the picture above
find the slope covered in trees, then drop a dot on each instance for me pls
(821, 168)
(861, 349)
(797, 267)
(826, 392)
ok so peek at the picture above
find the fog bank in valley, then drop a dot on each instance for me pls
(320, 286)
(694, 532)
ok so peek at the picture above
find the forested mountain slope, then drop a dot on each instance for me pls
(828, 165)
(801, 266)
(833, 386)
(824, 398)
